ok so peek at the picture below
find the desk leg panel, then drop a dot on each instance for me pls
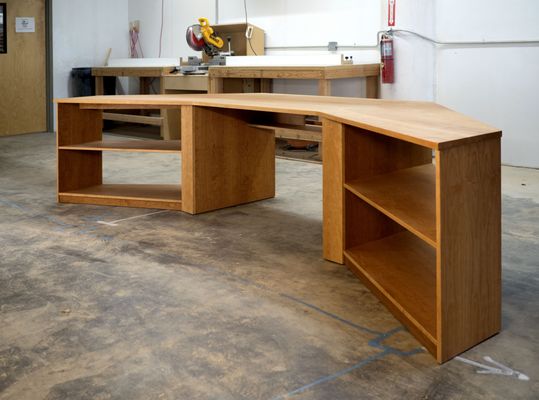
(333, 190)
(225, 162)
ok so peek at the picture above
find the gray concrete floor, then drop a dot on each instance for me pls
(234, 304)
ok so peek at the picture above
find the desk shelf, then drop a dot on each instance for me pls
(407, 196)
(127, 195)
(148, 146)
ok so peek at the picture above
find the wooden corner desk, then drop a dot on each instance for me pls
(424, 236)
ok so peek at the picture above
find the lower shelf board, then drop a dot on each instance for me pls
(401, 270)
(130, 145)
(127, 195)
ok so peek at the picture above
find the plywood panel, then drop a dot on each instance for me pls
(22, 71)
(226, 162)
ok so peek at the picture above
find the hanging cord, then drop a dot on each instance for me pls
(133, 36)
(135, 41)
(247, 23)
(162, 24)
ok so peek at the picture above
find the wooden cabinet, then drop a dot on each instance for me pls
(239, 43)
(424, 234)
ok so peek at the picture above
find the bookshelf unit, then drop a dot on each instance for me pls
(417, 232)
(80, 165)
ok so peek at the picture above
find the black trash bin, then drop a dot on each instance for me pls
(83, 83)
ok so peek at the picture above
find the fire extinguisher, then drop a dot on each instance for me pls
(387, 56)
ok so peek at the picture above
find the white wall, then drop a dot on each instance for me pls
(415, 59)
(496, 84)
(178, 15)
(304, 23)
(82, 32)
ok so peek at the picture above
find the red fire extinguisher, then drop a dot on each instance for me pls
(387, 56)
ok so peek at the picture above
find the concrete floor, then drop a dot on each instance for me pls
(234, 304)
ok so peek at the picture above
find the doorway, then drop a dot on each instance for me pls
(24, 94)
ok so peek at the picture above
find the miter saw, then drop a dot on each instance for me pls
(202, 37)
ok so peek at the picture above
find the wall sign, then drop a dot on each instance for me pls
(391, 12)
(25, 24)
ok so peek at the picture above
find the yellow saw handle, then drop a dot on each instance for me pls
(209, 34)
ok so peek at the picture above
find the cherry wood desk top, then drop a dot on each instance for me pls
(424, 123)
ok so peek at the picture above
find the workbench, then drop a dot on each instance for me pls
(260, 78)
(233, 79)
(424, 236)
(146, 76)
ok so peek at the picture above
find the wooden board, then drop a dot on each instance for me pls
(426, 124)
(134, 119)
(23, 103)
(289, 131)
(127, 195)
(309, 72)
(407, 196)
(402, 269)
(468, 202)
(152, 72)
(186, 82)
(155, 146)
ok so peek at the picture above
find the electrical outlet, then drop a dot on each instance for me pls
(332, 46)
(347, 59)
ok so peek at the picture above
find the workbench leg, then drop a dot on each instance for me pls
(225, 162)
(99, 86)
(215, 85)
(373, 83)
(164, 131)
(324, 87)
(266, 85)
(333, 190)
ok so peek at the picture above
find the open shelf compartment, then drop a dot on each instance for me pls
(402, 271)
(399, 267)
(407, 196)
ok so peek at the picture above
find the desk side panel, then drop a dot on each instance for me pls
(469, 246)
(226, 162)
(333, 190)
